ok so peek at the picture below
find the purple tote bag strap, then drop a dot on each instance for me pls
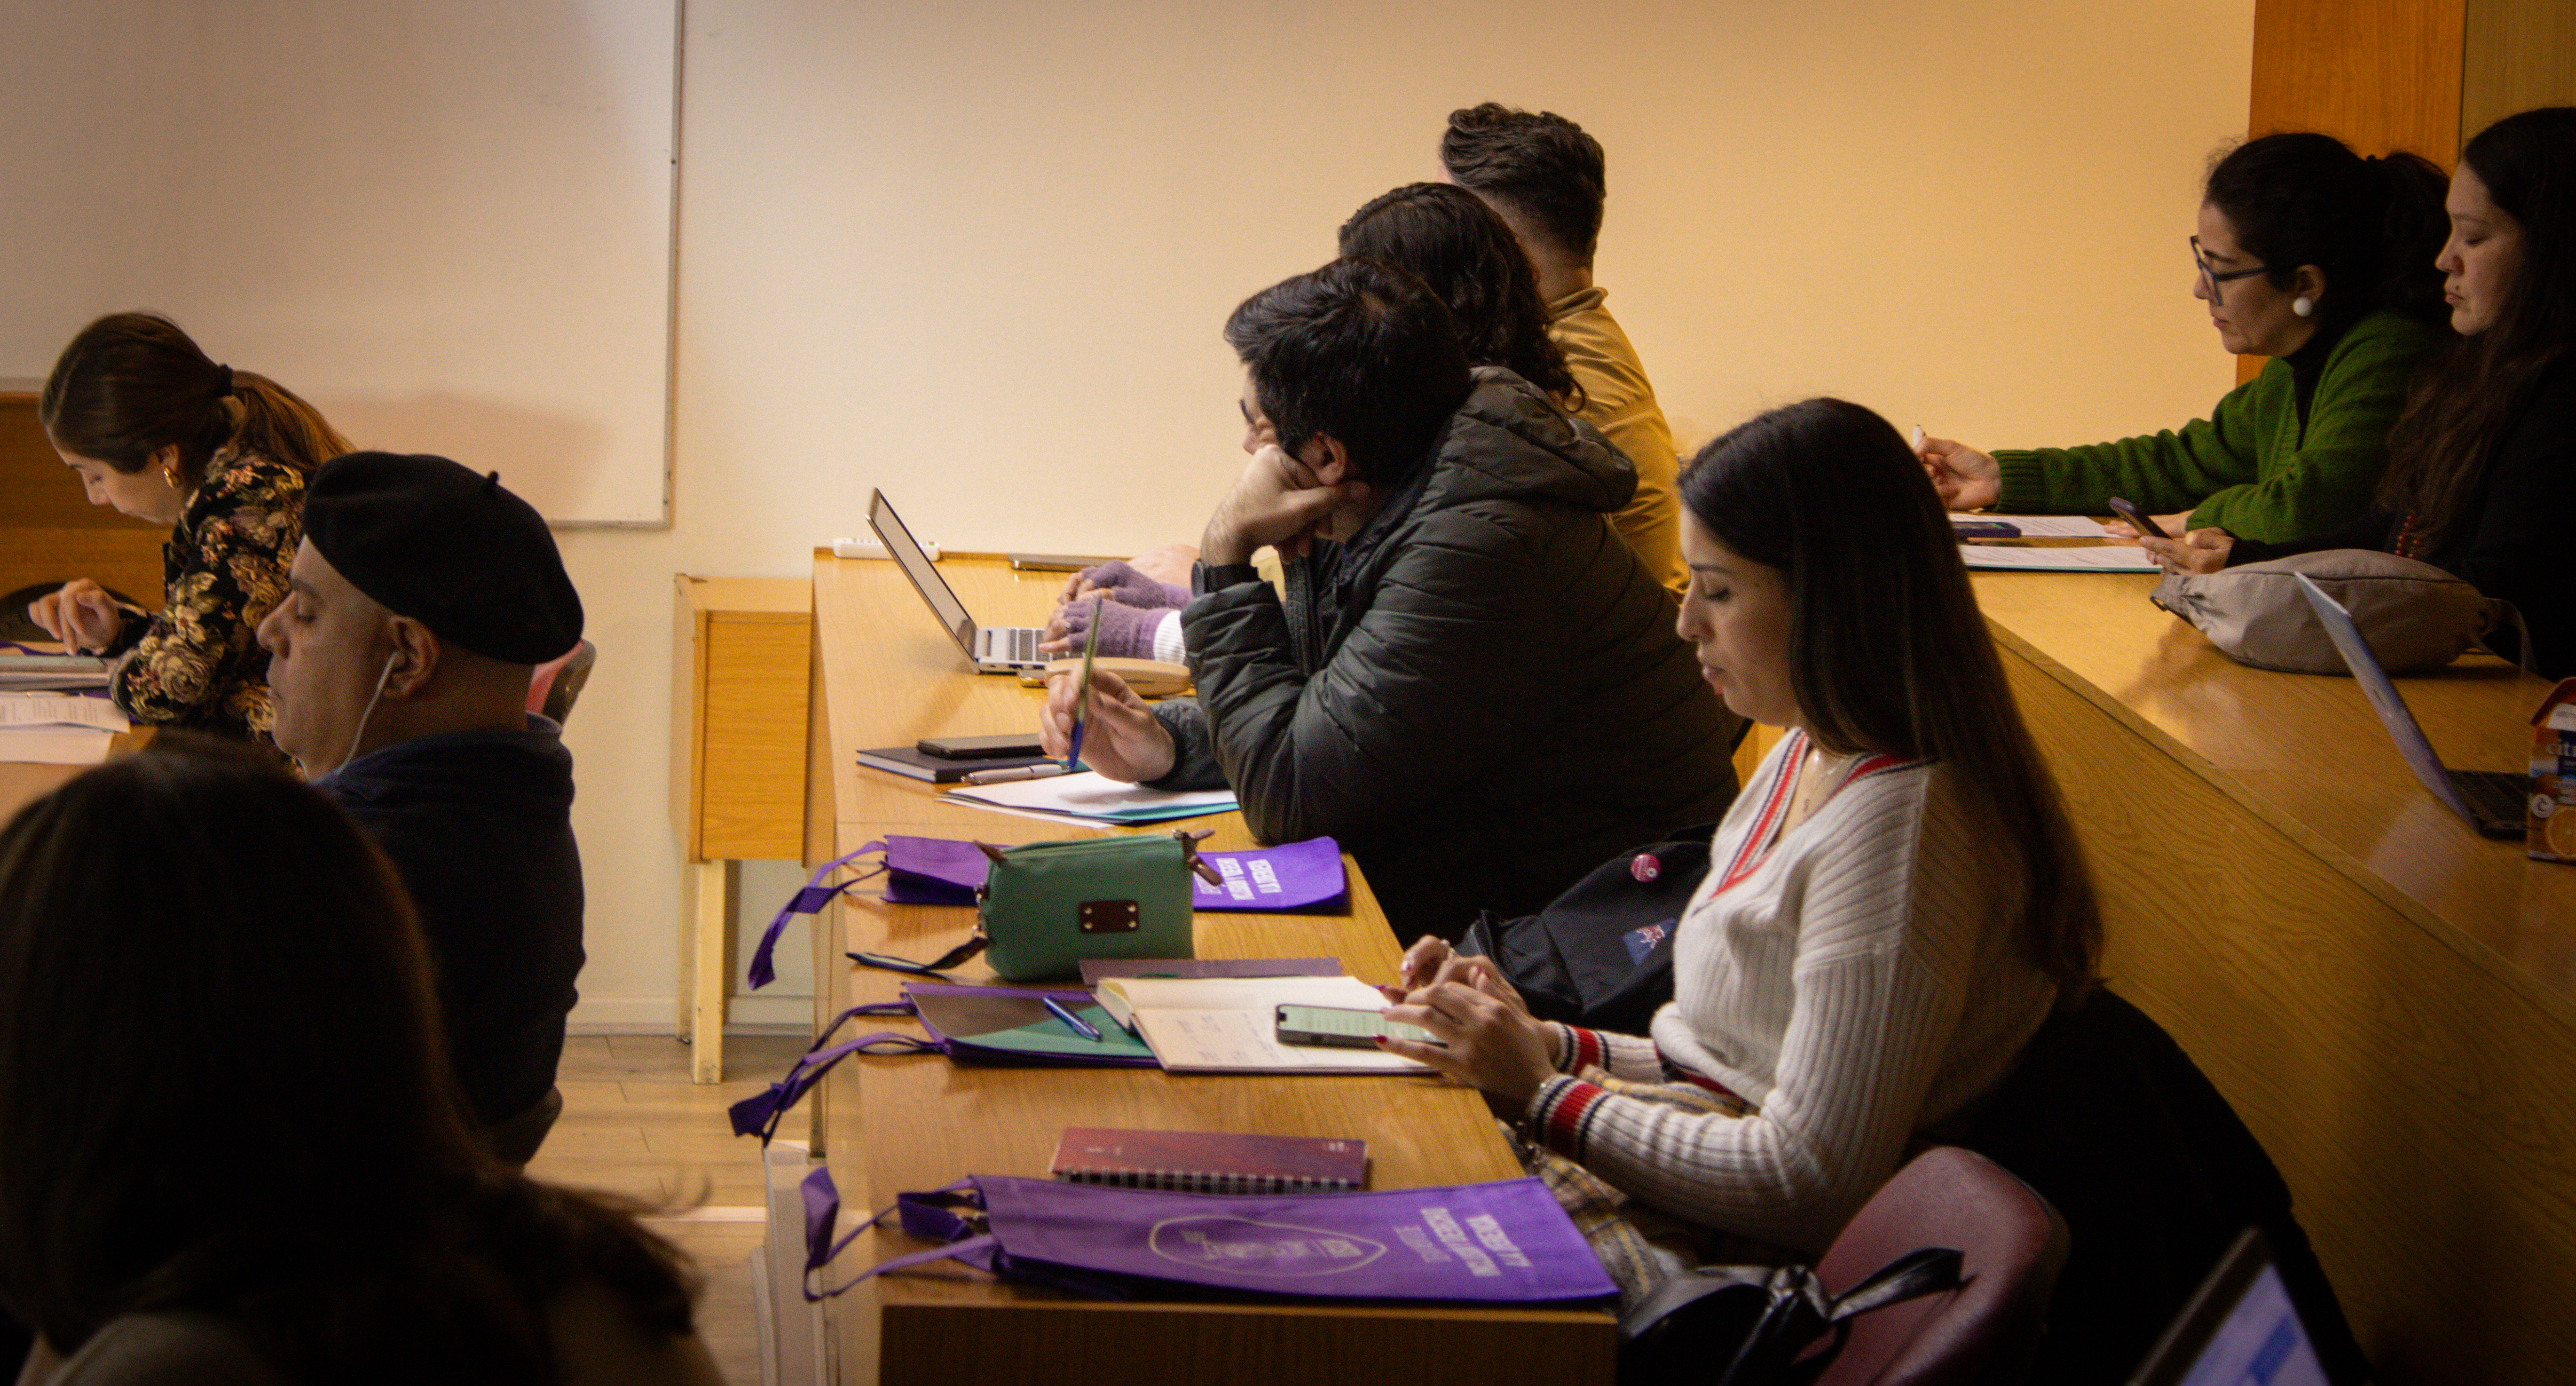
(931, 1217)
(810, 900)
(760, 1113)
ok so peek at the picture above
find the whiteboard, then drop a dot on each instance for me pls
(448, 223)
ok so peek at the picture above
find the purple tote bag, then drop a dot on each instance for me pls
(1500, 1243)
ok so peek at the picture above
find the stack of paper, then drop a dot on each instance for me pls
(1094, 796)
(2097, 558)
(57, 728)
(50, 672)
(2042, 526)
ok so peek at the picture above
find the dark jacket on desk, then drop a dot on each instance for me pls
(479, 825)
(1480, 694)
(2515, 543)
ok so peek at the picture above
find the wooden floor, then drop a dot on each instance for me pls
(634, 1124)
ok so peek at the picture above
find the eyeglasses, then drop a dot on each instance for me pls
(2213, 278)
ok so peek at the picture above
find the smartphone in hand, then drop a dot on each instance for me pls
(1342, 1029)
(2137, 519)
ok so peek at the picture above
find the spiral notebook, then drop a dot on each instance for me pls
(1209, 1161)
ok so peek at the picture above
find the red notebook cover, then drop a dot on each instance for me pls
(1210, 1161)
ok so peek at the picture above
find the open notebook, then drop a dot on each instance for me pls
(1227, 1024)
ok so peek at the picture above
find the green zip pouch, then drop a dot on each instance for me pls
(1047, 906)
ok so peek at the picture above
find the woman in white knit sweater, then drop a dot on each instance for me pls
(1893, 904)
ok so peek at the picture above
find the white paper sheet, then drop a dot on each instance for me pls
(34, 745)
(59, 710)
(2095, 558)
(1093, 796)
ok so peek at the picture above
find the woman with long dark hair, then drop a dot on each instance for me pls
(1894, 904)
(1896, 942)
(1448, 238)
(162, 432)
(1451, 241)
(235, 1153)
(1467, 256)
(2306, 253)
(2483, 462)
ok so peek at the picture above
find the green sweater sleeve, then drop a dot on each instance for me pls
(2250, 468)
(2161, 472)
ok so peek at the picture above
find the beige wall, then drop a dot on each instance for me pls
(978, 253)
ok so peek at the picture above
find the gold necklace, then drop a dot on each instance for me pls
(1817, 778)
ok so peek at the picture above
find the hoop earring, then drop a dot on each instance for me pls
(171, 475)
(2304, 306)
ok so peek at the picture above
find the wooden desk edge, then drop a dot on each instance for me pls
(2289, 825)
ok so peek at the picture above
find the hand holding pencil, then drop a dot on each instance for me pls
(1118, 737)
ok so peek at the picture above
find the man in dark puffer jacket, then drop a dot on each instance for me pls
(1473, 683)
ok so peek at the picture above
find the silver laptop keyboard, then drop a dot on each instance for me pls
(1017, 644)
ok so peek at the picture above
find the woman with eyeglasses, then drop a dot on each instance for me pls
(2483, 462)
(2315, 257)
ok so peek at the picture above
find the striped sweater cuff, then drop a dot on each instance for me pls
(1583, 1049)
(1561, 1111)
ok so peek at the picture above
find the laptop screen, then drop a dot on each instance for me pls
(2392, 709)
(2260, 1343)
(916, 565)
(2241, 1330)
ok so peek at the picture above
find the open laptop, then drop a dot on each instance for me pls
(994, 649)
(2242, 1329)
(2491, 800)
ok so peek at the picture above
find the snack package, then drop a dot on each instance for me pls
(2553, 776)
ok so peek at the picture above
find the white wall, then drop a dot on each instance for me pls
(978, 253)
(446, 222)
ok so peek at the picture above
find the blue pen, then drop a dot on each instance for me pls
(1080, 1026)
(1082, 710)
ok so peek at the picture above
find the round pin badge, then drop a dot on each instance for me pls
(1643, 867)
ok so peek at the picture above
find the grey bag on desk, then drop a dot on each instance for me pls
(2414, 615)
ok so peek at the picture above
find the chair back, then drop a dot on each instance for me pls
(552, 688)
(2011, 1242)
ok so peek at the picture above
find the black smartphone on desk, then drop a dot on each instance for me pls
(979, 747)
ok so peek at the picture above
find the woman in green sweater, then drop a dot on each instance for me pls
(2315, 257)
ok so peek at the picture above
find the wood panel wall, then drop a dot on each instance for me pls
(50, 533)
(2519, 54)
(2376, 74)
(2380, 75)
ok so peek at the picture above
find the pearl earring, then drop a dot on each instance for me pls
(2304, 306)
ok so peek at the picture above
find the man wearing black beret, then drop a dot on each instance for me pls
(420, 602)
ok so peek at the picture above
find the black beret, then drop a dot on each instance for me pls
(430, 540)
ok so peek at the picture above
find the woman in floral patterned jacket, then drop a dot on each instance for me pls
(157, 429)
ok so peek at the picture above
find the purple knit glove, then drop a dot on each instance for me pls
(1126, 632)
(1128, 587)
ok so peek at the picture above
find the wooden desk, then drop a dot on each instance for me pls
(741, 653)
(888, 677)
(49, 532)
(2387, 998)
(24, 782)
